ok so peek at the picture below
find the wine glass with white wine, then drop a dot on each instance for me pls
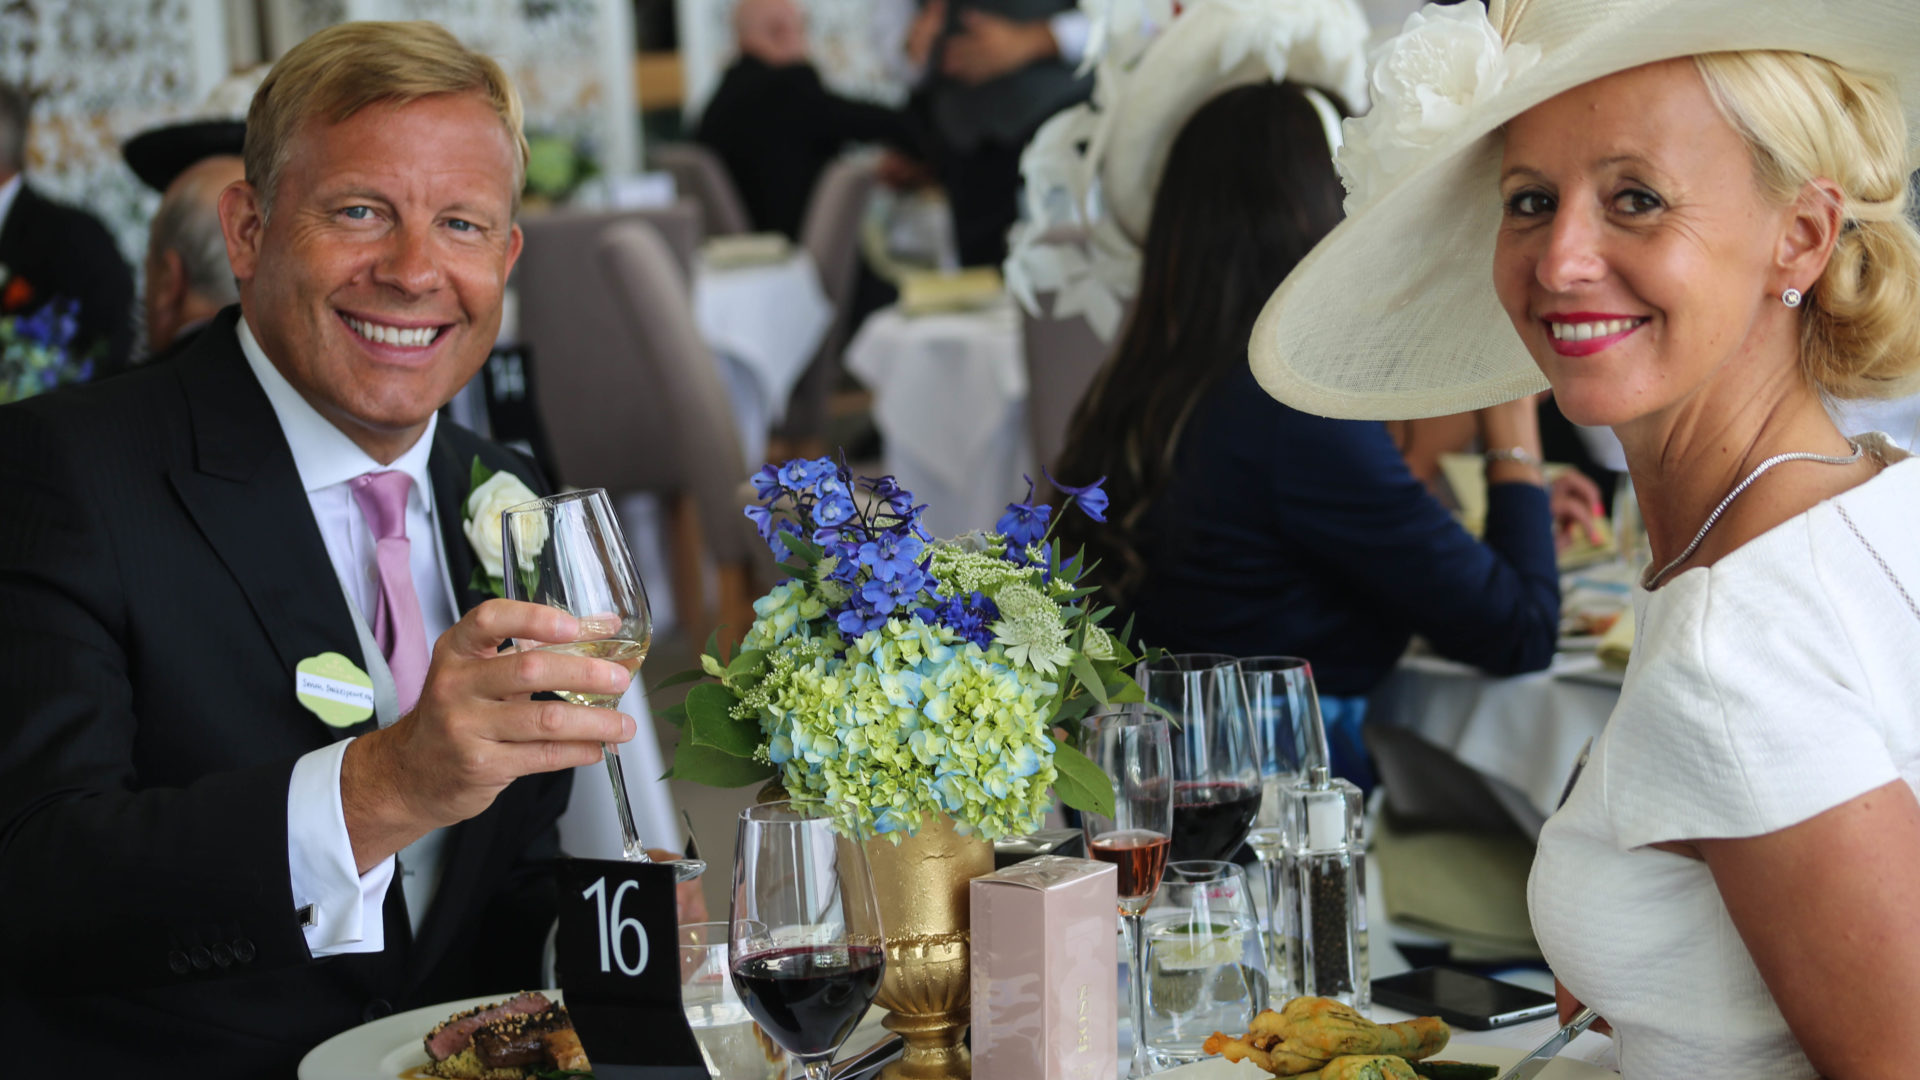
(567, 551)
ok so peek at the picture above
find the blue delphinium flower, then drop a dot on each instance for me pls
(891, 555)
(1024, 523)
(969, 616)
(1090, 499)
(766, 482)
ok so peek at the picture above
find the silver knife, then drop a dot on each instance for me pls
(1531, 1065)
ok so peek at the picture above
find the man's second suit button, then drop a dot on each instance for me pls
(376, 1009)
(243, 950)
(222, 954)
(178, 961)
(201, 958)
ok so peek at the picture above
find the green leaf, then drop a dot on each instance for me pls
(716, 768)
(479, 582)
(674, 714)
(1080, 783)
(711, 723)
(809, 552)
(747, 667)
(1084, 671)
(477, 475)
(710, 666)
(713, 644)
(680, 679)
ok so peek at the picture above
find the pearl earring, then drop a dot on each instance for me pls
(1791, 297)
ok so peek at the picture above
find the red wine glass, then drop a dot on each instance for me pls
(1134, 749)
(804, 932)
(1216, 767)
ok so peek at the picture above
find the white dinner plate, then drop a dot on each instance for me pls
(388, 1047)
(1504, 1057)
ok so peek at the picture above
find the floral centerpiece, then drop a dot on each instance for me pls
(37, 342)
(897, 677)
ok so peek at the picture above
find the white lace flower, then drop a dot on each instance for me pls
(1425, 85)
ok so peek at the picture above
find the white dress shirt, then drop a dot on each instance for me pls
(8, 192)
(346, 905)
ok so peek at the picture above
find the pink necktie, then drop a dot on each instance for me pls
(397, 625)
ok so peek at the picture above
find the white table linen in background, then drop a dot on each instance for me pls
(950, 400)
(1525, 729)
(769, 320)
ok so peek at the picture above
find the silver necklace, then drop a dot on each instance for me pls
(1797, 455)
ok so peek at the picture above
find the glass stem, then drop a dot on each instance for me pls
(1279, 974)
(1137, 947)
(630, 843)
(818, 1068)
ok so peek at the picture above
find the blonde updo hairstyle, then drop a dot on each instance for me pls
(1804, 119)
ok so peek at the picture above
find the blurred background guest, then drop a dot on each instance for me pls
(188, 277)
(1242, 526)
(995, 70)
(54, 252)
(776, 126)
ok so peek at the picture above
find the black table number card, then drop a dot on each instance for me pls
(618, 956)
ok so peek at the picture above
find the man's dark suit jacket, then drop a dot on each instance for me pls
(64, 251)
(777, 128)
(161, 574)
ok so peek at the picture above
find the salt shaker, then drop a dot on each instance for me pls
(1328, 905)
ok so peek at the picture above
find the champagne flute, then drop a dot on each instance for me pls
(567, 551)
(1290, 739)
(804, 931)
(1135, 750)
(1216, 778)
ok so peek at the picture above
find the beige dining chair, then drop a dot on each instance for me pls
(830, 232)
(699, 174)
(1062, 357)
(633, 398)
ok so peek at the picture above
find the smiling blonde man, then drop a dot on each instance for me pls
(256, 717)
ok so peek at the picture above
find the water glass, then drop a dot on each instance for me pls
(1206, 963)
(733, 1044)
(1290, 739)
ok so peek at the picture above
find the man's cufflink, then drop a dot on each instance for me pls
(308, 917)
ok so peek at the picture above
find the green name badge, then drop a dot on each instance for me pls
(334, 689)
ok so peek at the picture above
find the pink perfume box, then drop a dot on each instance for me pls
(1046, 971)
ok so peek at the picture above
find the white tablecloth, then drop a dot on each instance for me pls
(765, 323)
(950, 400)
(1526, 730)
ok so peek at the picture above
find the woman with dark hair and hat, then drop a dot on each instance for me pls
(1240, 525)
(1694, 215)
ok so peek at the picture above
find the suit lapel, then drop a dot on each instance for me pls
(245, 495)
(451, 479)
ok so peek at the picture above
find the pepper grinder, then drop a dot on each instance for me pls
(1329, 901)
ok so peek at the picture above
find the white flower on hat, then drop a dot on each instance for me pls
(1425, 84)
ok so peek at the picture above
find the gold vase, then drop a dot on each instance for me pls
(922, 887)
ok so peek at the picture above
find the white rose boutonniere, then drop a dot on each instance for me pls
(1425, 84)
(489, 495)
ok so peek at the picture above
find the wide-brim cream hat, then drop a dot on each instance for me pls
(1092, 172)
(1393, 316)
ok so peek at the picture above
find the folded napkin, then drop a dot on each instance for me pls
(745, 249)
(931, 292)
(1616, 645)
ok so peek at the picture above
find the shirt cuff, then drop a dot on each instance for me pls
(345, 905)
(1071, 29)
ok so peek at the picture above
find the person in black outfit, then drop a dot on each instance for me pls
(200, 875)
(52, 251)
(776, 126)
(996, 70)
(1239, 525)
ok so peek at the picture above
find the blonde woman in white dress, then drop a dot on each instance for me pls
(1689, 217)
